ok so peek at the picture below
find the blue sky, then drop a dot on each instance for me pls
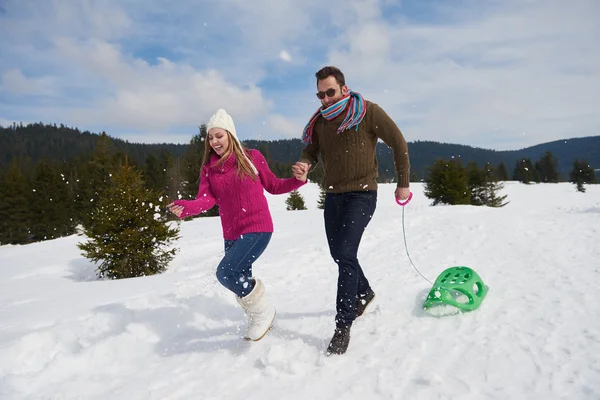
(495, 74)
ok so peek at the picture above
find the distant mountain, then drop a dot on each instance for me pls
(63, 143)
(424, 153)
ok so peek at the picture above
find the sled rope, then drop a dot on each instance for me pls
(405, 245)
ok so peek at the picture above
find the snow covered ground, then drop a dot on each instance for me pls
(65, 335)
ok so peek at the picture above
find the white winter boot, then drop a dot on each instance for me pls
(259, 311)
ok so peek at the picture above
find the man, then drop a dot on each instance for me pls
(344, 132)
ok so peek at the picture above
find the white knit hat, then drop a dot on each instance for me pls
(224, 121)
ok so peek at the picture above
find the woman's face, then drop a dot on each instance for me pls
(218, 139)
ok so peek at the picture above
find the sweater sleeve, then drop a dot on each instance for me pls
(270, 182)
(204, 201)
(310, 153)
(387, 130)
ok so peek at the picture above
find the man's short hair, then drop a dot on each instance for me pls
(328, 71)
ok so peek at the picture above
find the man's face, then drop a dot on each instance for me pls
(331, 91)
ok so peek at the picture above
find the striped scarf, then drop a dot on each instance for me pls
(355, 113)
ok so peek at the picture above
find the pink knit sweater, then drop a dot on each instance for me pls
(242, 203)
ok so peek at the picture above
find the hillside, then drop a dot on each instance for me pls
(63, 143)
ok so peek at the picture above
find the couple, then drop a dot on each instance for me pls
(344, 132)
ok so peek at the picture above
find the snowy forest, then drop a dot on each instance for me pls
(54, 177)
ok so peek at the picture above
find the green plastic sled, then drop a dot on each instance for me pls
(457, 280)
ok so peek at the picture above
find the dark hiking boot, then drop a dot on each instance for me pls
(363, 301)
(339, 341)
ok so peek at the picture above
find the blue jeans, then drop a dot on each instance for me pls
(346, 218)
(235, 269)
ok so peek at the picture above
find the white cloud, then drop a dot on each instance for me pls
(285, 56)
(284, 127)
(479, 73)
(8, 122)
(483, 79)
(159, 96)
(14, 82)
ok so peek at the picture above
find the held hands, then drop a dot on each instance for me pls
(177, 210)
(300, 171)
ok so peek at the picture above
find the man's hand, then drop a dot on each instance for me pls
(300, 170)
(402, 193)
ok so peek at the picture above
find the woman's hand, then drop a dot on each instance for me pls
(300, 171)
(175, 209)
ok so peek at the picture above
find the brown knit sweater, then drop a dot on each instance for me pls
(349, 158)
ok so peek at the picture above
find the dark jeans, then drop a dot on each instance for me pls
(346, 217)
(235, 269)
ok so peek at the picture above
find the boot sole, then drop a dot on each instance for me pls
(268, 329)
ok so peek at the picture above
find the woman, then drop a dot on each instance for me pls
(235, 178)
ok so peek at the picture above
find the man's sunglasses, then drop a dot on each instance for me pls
(328, 93)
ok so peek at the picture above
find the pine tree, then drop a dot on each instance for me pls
(94, 179)
(295, 201)
(15, 217)
(491, 187)
(49, 203)
(484, 186)
(546, 167)
(174, 180)
(192, 163)
(152, 173)
(582, 174)
(502, 172)
(129, 232)
(448, 183)
(156, 171)
(477, 186)
(525, 172)
(535, 172)
(190, 170)
(321, 201)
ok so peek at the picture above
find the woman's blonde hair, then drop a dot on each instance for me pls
(243, 165)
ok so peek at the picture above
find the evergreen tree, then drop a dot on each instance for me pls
(448, 183)
(129, 232)
(582, 174)
(476, 184)
(281, 170)
(15, 217)
(49, 203)
(264, 150)
(174, 180)
(525, 172)
(295, 201)
(190, 170)
(414, 176)
(95, 181)
(489, 194)
(156, 170)
(502, 172)
(547, 168)
(80, 190)
(191, 164)
(536, 174)
(321, 201)
(152, 173)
